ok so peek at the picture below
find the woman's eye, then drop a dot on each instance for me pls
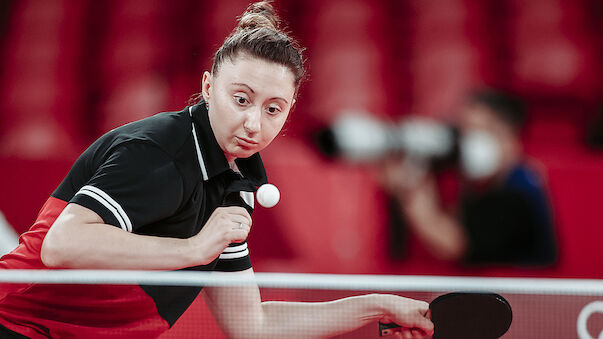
(240, 100)
(273, 110)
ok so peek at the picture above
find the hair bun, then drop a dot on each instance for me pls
(258, 15)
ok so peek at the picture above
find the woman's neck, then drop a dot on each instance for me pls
(233, 165)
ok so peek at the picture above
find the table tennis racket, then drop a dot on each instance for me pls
(465, 315)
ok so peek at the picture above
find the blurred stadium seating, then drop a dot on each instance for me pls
(72, 70)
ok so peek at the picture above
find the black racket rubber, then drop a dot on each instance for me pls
(466, 315)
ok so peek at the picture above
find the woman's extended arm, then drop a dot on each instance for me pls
(80, 239)
(241, 314)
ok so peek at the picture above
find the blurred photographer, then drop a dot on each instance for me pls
(502, 216)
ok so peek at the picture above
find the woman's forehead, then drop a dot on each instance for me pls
(258, 74)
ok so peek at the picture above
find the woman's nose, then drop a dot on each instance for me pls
(252, 122)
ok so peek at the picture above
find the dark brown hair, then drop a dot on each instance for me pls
(259, 34)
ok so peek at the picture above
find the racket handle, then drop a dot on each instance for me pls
(387, 329)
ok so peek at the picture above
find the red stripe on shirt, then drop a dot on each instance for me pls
(80, 311)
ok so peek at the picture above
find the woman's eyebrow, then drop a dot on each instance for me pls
(279, 98)
(253, 92)
(244, 85)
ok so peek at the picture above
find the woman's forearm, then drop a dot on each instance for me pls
(239, 312)
(326, 319)
(319, 320)
(79, 239)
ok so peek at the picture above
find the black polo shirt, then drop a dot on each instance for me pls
(164, 176)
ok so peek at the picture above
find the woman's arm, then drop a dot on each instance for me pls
(241, 314)
(80, 239)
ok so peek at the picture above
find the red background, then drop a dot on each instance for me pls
(72, 70)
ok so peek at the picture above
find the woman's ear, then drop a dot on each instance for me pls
(206, 85)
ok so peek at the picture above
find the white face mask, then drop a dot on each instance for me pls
(480, 154)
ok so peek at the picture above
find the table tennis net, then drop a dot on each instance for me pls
(542, 308)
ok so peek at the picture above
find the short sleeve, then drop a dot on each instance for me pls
(136, 185)
(235, 257)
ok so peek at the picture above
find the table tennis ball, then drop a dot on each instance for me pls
(268, 195)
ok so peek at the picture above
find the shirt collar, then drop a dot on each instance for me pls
(211, 157)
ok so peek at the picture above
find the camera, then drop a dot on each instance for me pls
(359, 137)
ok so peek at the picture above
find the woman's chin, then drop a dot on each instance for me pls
(241, 153)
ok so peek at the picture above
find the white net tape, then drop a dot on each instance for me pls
(542, 308)
(311, 281)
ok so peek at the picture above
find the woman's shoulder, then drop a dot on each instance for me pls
(167, 130)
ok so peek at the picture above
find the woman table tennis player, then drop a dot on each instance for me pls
(175, 191)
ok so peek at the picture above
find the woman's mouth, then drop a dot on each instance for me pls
(246, 142)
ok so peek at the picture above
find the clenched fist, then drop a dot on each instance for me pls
(225, 226)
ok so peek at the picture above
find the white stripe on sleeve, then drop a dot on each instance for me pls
(234, 255)
(237, 248)
(110, 204)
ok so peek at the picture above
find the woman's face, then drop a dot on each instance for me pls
(249, 101)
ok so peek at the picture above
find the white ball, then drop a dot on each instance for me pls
(268, 195)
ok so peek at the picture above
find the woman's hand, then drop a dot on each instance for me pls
(226, 225)
(412, 315)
